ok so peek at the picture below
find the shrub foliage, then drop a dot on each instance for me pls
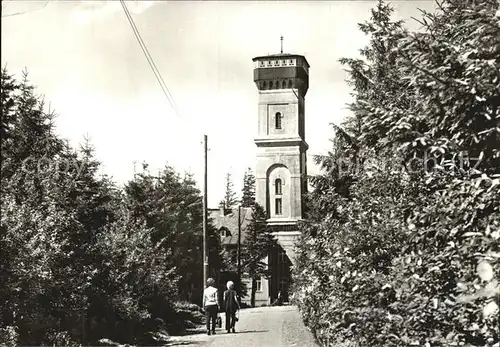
(82, 259)
(401, 245)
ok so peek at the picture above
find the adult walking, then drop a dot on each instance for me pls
(231, 305)
(211, 305)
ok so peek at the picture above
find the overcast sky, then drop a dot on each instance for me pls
(84, 57)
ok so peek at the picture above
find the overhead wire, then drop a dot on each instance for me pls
(151, 62)
(154, 68)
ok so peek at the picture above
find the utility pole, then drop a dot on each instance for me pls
(239, 241)
(205, 245)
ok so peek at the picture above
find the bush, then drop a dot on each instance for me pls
(394, 254)
(9, 336)
(183, 316)
(83, 260)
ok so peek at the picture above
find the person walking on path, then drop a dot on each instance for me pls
(211, 304)
(231, 306)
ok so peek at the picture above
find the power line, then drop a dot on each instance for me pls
(151, 62)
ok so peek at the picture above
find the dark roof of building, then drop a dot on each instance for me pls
(229, 221)
(282, 55)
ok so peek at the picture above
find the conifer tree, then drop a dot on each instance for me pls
(230, 200)
(258, 242)
(415, 228)
(74, 260)
(248, 192)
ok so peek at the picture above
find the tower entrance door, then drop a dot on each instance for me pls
(280, 266)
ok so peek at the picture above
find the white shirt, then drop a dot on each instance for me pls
(210, 296)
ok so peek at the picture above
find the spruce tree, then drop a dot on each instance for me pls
(72, 253)
(248, 192)
(255, 248)
(415, 228)
(230, 199)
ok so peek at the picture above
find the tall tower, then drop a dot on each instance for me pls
(282, 81)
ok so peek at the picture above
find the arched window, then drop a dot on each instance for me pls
(278, 186)
(290, 84)
(278, 120)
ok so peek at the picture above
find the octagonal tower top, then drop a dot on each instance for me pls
(282, 71)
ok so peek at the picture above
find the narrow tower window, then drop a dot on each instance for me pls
(278, 206)
(278, 120)
(277, 186)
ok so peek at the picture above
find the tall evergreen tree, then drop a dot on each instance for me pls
(75, 264)
(416, 225)
(171, 207)
(248, 192)
(256, 246)
(230, 200)
(35, 223)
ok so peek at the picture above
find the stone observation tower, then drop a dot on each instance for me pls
(282, 81)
